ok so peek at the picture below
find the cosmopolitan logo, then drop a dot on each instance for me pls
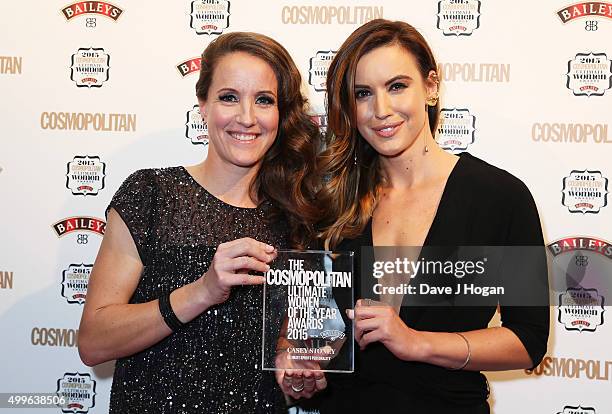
(568, 409)
(72, 224)
(6, 280)
(573, 368)
(572, 244)
(330, 14)
(75, 280)
(85, 175)
(570, 133)
(458, 17)
(586, 9)
(189, 66)
(456, 129)
(474, 72)
(92, 7)
(10, 65)
(54, 337)
(589, 74)
(585, 191)
(79, 392)
(90, 67)
(209, 16)
(308, 278)
(85, 121)
(317, 73)
(196, 129)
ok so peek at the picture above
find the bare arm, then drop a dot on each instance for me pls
(491, 349)
(112, 328)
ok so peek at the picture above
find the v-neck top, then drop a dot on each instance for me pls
(481, 205)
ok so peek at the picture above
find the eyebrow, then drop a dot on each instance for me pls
(390, 81)
(234, 90)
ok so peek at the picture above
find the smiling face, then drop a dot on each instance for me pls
(241, 110)
(391, 96)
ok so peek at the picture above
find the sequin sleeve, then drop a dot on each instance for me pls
(134, 201)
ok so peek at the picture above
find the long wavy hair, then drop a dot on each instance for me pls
(287, 174)
(351, 166)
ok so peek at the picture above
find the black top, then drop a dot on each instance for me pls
(213, 364)
(481, 205)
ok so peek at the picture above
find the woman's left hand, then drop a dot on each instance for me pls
(379, 322)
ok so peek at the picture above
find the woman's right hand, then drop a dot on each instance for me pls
(231, 265)
(299, 379)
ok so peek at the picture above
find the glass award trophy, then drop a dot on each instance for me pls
(305, 326)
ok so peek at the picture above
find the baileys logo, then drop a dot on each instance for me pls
(92, 7)
(189, 66)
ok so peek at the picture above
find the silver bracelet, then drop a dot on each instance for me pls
(469, 353)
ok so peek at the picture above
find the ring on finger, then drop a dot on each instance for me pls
(297, 389)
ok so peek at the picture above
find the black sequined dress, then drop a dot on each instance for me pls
(212, 365)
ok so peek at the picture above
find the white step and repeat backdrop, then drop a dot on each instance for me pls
(91, 91)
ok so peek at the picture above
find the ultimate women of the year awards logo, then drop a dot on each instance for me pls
(589, 74)
(317, 72)
(209, 16)
(571, 409)
(85, 175)
(458, 17)
(89, 67)
(75, 280)
(456, 129)
(78, 391)
(585, 191)
(196, 130)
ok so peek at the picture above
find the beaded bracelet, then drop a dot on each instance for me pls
(469, 353)
(168, 314)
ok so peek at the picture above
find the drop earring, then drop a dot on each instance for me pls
(432, 100)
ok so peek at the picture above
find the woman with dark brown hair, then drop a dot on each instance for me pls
(390, 184)
(172, 295)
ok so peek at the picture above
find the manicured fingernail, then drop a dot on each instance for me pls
(269, 248)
